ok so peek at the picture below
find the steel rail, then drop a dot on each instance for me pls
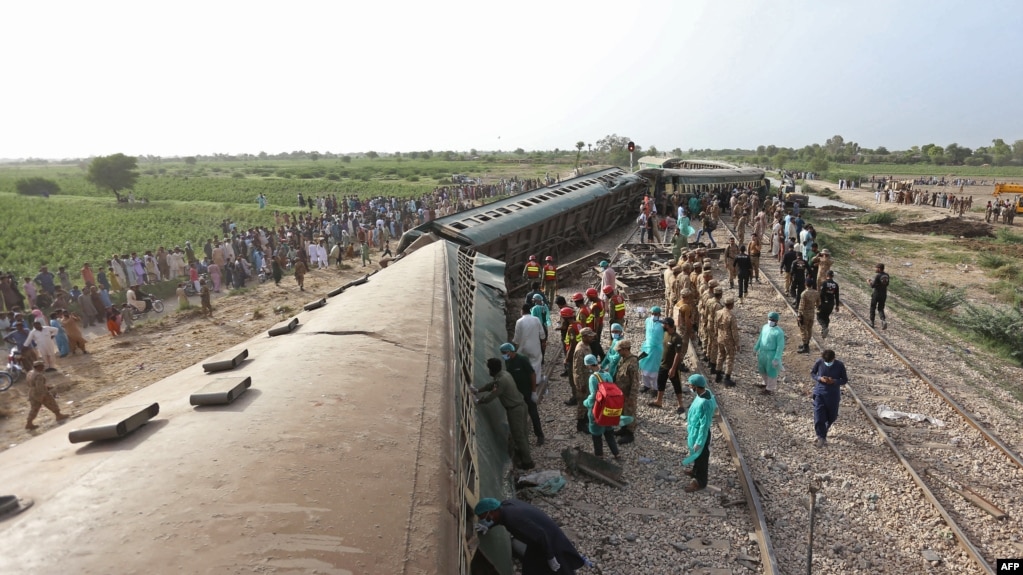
(975, 553)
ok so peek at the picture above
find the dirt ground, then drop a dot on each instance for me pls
(161, 346)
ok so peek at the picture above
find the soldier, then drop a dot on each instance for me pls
(879, 295)
(684, 316)
(671, 365)
(740, 227)
(502, 387)
(728, 341)
(731, 250)
(627, 378)
(829, 302)
(531, 271)
(806, 309)
(39, 396)
(521, 370)
(549, 284)
(204, 297)
(581, 377)
(569, 337)
(669, 284)
(714, 305)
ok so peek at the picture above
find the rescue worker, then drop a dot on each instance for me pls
(671, 365)
(521, 370)
(543, 313)
(502, 387)
(830, 301)
(570, 329)
(769, 348)
(548, 550)
(805, 311)
(627, 378)
(653, 345)
(616, 305)
(39, 395)
(611, 360)
(549, 284)
(728, 341)
(599, 433)
(531, 271)
(879, 295)
(582, 314)
(698, 424)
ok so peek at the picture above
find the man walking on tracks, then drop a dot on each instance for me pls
(769, 348)
(549, 284)
(806, 309)
(728, 341)
(879, 295)
(829, 302)
(828, 375)
(698, 424)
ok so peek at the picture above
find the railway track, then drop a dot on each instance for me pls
(968, 476)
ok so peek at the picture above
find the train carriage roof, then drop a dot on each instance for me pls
(708, 177)
(486, 223)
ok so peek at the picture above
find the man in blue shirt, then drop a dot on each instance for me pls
(829, 376)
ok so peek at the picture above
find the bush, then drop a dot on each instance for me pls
(1005, 236)
(881, 218)
(37, 187)
(413, 178)
(999, 325)
(993, 260)
(238, 176)
(940, 298)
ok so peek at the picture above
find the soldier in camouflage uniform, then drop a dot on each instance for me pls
(727, 340)
(808, 304)
(627, 379)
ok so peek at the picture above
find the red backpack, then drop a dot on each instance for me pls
(607, 410)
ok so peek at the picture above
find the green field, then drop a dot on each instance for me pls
(977, 172)
(188, 201)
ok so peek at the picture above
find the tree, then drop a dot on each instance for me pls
(115, 173)
(771, 150)
(819, 164)
(191, 160)
(677, 153)
(1017, 150)
(1001, 151)
(653, 151)
(314, 156)
(834, 145)
(578, 151)
(346, 159)
(881, 151)
(372, 155)
(957, 154)
(37, 187)
(520, 152)
(780, 159)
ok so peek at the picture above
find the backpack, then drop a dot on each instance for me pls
(607, 409)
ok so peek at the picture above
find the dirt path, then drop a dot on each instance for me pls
(161, 346)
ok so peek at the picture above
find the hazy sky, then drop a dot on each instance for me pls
(181, 78)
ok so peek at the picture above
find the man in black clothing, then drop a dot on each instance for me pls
(786, 268)
(798, 273)
(744, 269)
(879, 295)
(548, 549)
(829, 302)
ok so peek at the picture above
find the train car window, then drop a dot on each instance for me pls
(506, 210)
(458, 225)
(482, 218)
(493, 214)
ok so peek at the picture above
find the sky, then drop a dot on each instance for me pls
(186, 78)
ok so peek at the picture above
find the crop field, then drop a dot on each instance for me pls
(188, 201)
(991, 173)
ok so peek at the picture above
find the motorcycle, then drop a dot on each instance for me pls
(152, 304)
(14, 371)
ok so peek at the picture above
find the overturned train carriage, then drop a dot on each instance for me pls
(546, 221)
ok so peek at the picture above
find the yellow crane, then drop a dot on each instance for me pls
(1011, 189)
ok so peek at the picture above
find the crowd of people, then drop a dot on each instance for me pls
(698, 309)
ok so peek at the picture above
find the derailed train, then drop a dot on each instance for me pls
(357, 449)
(546, 221)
